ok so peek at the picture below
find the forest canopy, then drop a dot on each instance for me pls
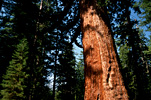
(39, 59)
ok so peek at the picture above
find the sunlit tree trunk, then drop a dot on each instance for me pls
(103, 80)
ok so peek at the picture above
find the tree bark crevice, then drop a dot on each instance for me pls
(103, 79)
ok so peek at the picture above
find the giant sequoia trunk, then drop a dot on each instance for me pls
(103, 80)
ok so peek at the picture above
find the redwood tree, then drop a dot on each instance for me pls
(103, 80)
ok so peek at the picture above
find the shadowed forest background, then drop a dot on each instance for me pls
(38, 59)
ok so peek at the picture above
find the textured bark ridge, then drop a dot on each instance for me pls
(103, 80)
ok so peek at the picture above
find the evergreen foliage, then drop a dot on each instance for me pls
(134, 87)
(49, 29)
(7, 39)
(131, 44)
(148, 52)
(79, 90)
(14, 81)
(70, 77)
(66, 77)
(146, 13)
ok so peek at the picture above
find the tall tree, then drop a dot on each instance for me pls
(132, 44)
(28, 23)
(79, 95)
(102, 77)
(8, 38)
(66, 77)
(14, 81)
(136, 84)
(146, 13)
(59, 34)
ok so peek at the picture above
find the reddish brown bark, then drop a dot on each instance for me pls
(103, 80)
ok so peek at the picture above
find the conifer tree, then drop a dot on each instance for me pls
(131, 48)
(103, 79)
(14, 81)
(66, 74)
(145, 21)
(146, 13)
(8, 38)
(79, 91)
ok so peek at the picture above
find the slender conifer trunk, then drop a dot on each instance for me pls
(103, 80)
(54, 83)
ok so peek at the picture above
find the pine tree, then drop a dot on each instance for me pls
(134, 87)
(14, 81)
(146, 13)
(66, 74)
(79, 90)
(28, 23)
(148, 52)
(38, 22)
(133, 59)
(8, 38)
(131, 48)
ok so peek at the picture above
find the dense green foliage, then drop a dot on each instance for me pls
(16, 74)
(37, 61)
(146, 13)
(132, 43)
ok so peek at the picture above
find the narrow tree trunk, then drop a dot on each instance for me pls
(1, 3)
(55, 69)
(54, 84)
(103, 80)
(55, 75)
